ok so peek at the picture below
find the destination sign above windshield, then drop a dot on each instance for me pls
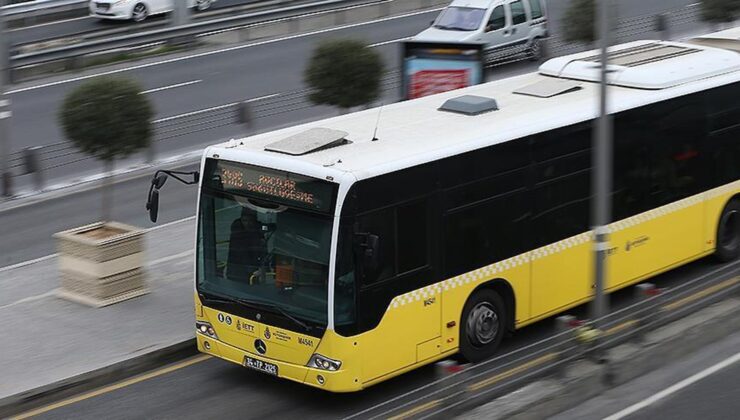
(271, 185)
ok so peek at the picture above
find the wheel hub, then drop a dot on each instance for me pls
(482, 324)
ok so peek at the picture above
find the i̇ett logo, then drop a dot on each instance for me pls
(267, 333)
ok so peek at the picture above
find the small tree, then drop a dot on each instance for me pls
(107, 118)
(344, 73)
(720, 11)
(579, 21)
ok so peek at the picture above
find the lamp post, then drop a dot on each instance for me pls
(602, 164)
(5, 179)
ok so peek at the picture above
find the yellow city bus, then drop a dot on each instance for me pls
(347, 251)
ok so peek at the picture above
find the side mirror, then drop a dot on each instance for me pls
(431, 23)
(159, 180)
(152, 204)
(488, 28)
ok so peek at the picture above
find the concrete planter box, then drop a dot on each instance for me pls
(101, 264)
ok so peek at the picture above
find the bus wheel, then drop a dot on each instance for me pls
(728, 233)
(483, 325)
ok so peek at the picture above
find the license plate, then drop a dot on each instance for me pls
(265, 367)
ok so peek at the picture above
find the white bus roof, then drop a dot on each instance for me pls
(415, 132)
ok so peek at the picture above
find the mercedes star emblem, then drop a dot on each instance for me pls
(260, 346)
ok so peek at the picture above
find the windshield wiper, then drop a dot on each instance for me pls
(276, 308)
(214, 299)
(258, 304)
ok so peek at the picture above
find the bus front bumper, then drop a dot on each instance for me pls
(334, 381)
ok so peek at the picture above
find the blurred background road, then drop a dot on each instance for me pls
(199, 81)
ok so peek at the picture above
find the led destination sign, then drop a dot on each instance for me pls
(271, 185)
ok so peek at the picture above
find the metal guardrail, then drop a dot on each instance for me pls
(45, 6)
(190, 30)
(467, 386)
(36, 8)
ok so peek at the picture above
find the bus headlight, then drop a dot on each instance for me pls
(318, 361)
(206, 329)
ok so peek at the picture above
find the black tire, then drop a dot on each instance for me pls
(535, 50)
(140, 12)
(728, 233)
(202, 5)
(480, 343)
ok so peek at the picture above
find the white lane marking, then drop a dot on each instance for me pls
(171, 258)
(25, 263)
(263, 97)
(192, 82)
(30, 299)
(56, 22)
(187, 114)
(674, 388)
(207, 53)
(392, 41)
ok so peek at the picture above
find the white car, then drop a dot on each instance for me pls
(505, 26)
(138, 10)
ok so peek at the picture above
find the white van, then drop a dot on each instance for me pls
(506, 26)
(138, 10)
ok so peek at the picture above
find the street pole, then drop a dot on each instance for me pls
(5, 180)
(602, 172)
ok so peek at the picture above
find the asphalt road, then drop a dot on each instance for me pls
(688, 389)
(83, 25)
(201, 80)
(217, 389)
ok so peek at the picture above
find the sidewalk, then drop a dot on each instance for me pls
(47, 339)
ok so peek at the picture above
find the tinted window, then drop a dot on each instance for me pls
(536, 8)
(676, 158)
(483, 233)
(497, 20)
(413, 241)
(724, 126)
(517, 13)
(562, 181)
(633, 131)
(383, 224)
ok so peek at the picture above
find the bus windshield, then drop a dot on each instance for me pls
(263, 251)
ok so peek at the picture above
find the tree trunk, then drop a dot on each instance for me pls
(107, 190)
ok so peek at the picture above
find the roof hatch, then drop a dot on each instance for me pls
(549, 87)
(469, 105)
(308, 141)
(646, 65)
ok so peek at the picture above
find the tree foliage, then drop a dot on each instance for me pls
(579, 21)
(107, 118)
(720, 11)
(344, 73)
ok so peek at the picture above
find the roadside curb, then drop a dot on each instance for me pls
(107, 375)
(584, 379)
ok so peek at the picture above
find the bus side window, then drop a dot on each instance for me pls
(562, 183)
(724, 125)
(412, 229)
(403, 239)
(676, 149)
(632, 136)
(484, 232)
(383, 224)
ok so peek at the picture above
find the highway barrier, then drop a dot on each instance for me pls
(579, 362)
